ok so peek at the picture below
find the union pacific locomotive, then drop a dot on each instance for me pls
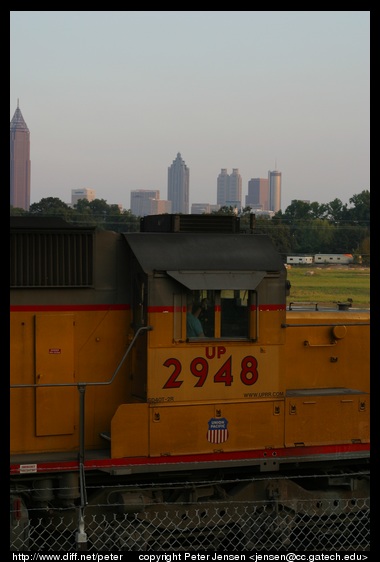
(112, 399)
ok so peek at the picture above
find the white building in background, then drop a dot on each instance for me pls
(160, 207)
(200, 208)
(262, 213)
(85, 193)
(147, 202)
(141, 201)
(203, 208)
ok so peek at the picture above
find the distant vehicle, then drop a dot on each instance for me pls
(333, 258)
(321, 258)
(299, 259)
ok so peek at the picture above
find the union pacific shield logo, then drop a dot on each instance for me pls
(217, 430)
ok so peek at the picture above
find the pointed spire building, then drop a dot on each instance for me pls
(19, 162)
(178, 185)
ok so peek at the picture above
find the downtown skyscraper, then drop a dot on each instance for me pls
(274, 179)
(178, 185)
(229, 189)
(20, 165)
(258, 194)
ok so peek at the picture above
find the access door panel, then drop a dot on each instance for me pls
(54, 345)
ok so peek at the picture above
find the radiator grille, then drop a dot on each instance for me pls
(190, 223)
(51, 259)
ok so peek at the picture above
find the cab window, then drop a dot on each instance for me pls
(222, 314)
(234, 314)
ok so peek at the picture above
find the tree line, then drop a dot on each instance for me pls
(303, 228)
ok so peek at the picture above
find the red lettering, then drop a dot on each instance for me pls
(221, 351)
(224, 374)
(210, 352)
(199, 368)
(172, 381)
(249, 374)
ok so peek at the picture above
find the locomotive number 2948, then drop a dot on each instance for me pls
(199, 368)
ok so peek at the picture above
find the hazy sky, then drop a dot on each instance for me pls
(111, 97)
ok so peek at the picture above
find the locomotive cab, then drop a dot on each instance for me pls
(201, 385)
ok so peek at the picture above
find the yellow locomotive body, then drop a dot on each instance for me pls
(105, 377)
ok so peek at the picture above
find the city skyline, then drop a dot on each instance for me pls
(288, 91)
(142, 201)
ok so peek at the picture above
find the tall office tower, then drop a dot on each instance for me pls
(234, 189)
(178, 185)
(222, 187)
(228, 188)
(274, 191)
(258, 194)
(20, 165)
(85, 193)
(141, 201)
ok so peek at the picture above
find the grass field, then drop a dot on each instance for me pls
(330, 284)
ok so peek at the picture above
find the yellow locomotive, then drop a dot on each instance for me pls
(107, 383)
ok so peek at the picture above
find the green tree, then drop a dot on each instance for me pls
(298, 210)
(303, 228)
(335, 210)
(51, 206)
(17, 211)
(278, 232)
(129, 222)
(361, 208)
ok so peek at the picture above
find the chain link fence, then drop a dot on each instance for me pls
(322, 524)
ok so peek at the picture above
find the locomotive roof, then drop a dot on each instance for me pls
(36, 222)
(225, 261)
